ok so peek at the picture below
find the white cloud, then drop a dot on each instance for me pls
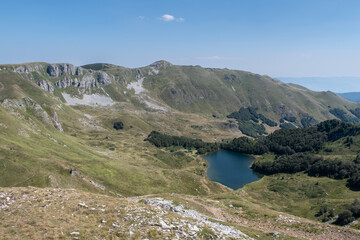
(141, 17)
(167, 17)
(170, 18)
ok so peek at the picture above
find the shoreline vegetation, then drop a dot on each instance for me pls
(287, 150)
(280, 142)
(306, 150)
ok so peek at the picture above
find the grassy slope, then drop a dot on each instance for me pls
(136, 167)
(195, 89)
(208, 91)
(302, 195)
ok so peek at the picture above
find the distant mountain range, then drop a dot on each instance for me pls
(351, 96)
(346, 87)
(334, 84)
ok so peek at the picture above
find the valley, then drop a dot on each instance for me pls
(57, 137)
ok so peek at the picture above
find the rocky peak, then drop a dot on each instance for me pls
(160, 65)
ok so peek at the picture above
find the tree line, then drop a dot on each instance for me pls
(291, 141)
(313, 165)
(280, 142)
(295, 150)
(164, 140)
(248, 120)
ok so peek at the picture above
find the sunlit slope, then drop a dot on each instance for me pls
(37, 152)
(222, 91)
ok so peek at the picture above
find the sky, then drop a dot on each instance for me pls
(279, 38)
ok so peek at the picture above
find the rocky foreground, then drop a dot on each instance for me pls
(53, 213)
(33, 213)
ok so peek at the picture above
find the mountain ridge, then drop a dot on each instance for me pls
(186, 88)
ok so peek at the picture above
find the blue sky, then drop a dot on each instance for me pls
(280, 38)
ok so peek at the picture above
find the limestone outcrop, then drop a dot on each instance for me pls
(46, 86)
(28, 68)
(57, 70)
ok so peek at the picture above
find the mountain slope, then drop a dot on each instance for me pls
(55, 117)
(162, 86)
(221, 91)
(57, 130)
(43, 139)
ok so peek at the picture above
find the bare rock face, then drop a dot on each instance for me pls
(46, 86)
(139, 74)
(104, 78)
(13, 104)
(84, 84)
(79, 71)
(57, 123)
(87, 82)
(57, 70)
(23, 69)
(78, 77)
(67, 82)
(29, 68)
(39, 112)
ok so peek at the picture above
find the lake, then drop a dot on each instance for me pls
(231, 169)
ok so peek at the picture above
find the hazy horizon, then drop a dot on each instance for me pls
(334, 84)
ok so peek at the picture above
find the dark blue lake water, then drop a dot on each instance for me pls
(231, 169)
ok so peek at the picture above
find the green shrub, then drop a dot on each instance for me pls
(118, 125)
(344, 218)
(207, 233)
